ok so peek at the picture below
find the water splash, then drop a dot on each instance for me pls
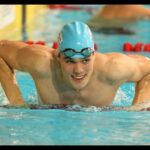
(124, 95)
(3, 98)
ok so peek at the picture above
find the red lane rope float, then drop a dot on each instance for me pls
(55, 45)
(95, 46)
(127, 47)
(29, 42)
(40, 42)
(69, 7)
(138, 47)
(147, 48)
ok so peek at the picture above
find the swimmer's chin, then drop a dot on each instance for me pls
(78, 88)
(79, 85)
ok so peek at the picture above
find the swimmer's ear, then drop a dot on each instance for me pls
(55, 53)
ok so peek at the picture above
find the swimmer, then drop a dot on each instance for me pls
(115, 19)
(74, 73)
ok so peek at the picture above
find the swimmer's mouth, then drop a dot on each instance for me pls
(78, 78)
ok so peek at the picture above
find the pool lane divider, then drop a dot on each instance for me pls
(54, 45)
(138, 47)
(70, 7)
(127, 47)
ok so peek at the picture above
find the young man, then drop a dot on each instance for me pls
(74, 73)
(117, 19)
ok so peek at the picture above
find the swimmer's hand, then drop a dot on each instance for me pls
(17, 103)
(143, 106)
(16, 106)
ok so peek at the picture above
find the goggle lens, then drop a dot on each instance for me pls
(71, 52)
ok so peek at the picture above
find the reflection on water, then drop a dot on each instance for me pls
(59, 127)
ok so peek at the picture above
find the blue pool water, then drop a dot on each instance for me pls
(90, 126)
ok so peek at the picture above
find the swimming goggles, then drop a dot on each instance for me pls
(71, 52)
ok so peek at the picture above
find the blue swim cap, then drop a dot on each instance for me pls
(76, 36)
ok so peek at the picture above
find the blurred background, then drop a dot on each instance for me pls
(34, 22)
(17, 20)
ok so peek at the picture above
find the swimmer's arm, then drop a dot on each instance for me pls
(34, 59)
(142, 90)
(28, 58)
(131, 68)
(127, 68)
(9, 84)
(141, 67)
(141, 77)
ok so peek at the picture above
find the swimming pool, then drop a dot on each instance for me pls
(89, 126)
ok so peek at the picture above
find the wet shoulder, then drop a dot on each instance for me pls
(12, 44)
(117, 57)
(35, 58)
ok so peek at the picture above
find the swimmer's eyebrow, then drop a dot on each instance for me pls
(68, 58)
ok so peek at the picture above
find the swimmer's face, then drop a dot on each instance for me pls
(77, 72)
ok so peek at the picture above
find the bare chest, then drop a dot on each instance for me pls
(97, 93)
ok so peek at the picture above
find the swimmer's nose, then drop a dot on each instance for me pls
(78, 69)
